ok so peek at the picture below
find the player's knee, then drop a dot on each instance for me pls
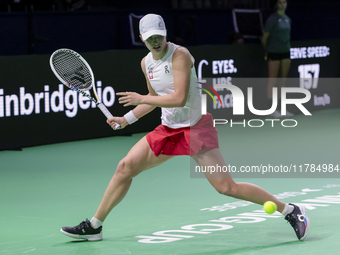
(227, 189)
(125, 169)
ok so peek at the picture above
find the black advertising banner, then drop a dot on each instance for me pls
(247, 60)
(36, 109)
(315, 66)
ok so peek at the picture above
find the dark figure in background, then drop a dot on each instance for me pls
(276, 41)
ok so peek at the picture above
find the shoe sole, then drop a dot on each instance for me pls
(96, 237)
(303, 210)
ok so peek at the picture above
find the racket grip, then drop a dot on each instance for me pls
(107, 114)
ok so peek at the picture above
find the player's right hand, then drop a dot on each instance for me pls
(114, 120)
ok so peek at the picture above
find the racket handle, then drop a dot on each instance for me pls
(106, 112)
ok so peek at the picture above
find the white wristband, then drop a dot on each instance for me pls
(130, 117)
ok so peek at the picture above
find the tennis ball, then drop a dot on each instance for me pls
(269, 207)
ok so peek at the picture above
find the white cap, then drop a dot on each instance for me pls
(151, 24)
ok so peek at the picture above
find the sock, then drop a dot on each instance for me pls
(288, 209)
(95, 223)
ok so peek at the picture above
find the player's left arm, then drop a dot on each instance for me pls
(181, 65)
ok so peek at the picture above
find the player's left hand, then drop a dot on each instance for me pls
(129, 98)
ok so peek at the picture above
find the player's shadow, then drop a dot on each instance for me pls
(84, 241)
(78, 241)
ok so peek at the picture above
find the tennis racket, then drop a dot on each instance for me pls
(74, 72)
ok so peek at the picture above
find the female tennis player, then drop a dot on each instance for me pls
(171, 80)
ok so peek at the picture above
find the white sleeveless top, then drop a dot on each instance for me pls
(160, 75)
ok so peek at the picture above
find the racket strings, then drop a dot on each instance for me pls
(72, 70)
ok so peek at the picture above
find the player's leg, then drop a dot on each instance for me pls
(224, 183)
(283, 73)
(273, 72)
(284, 67)
(139, 158)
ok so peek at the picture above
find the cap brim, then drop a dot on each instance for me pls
(153, 32)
